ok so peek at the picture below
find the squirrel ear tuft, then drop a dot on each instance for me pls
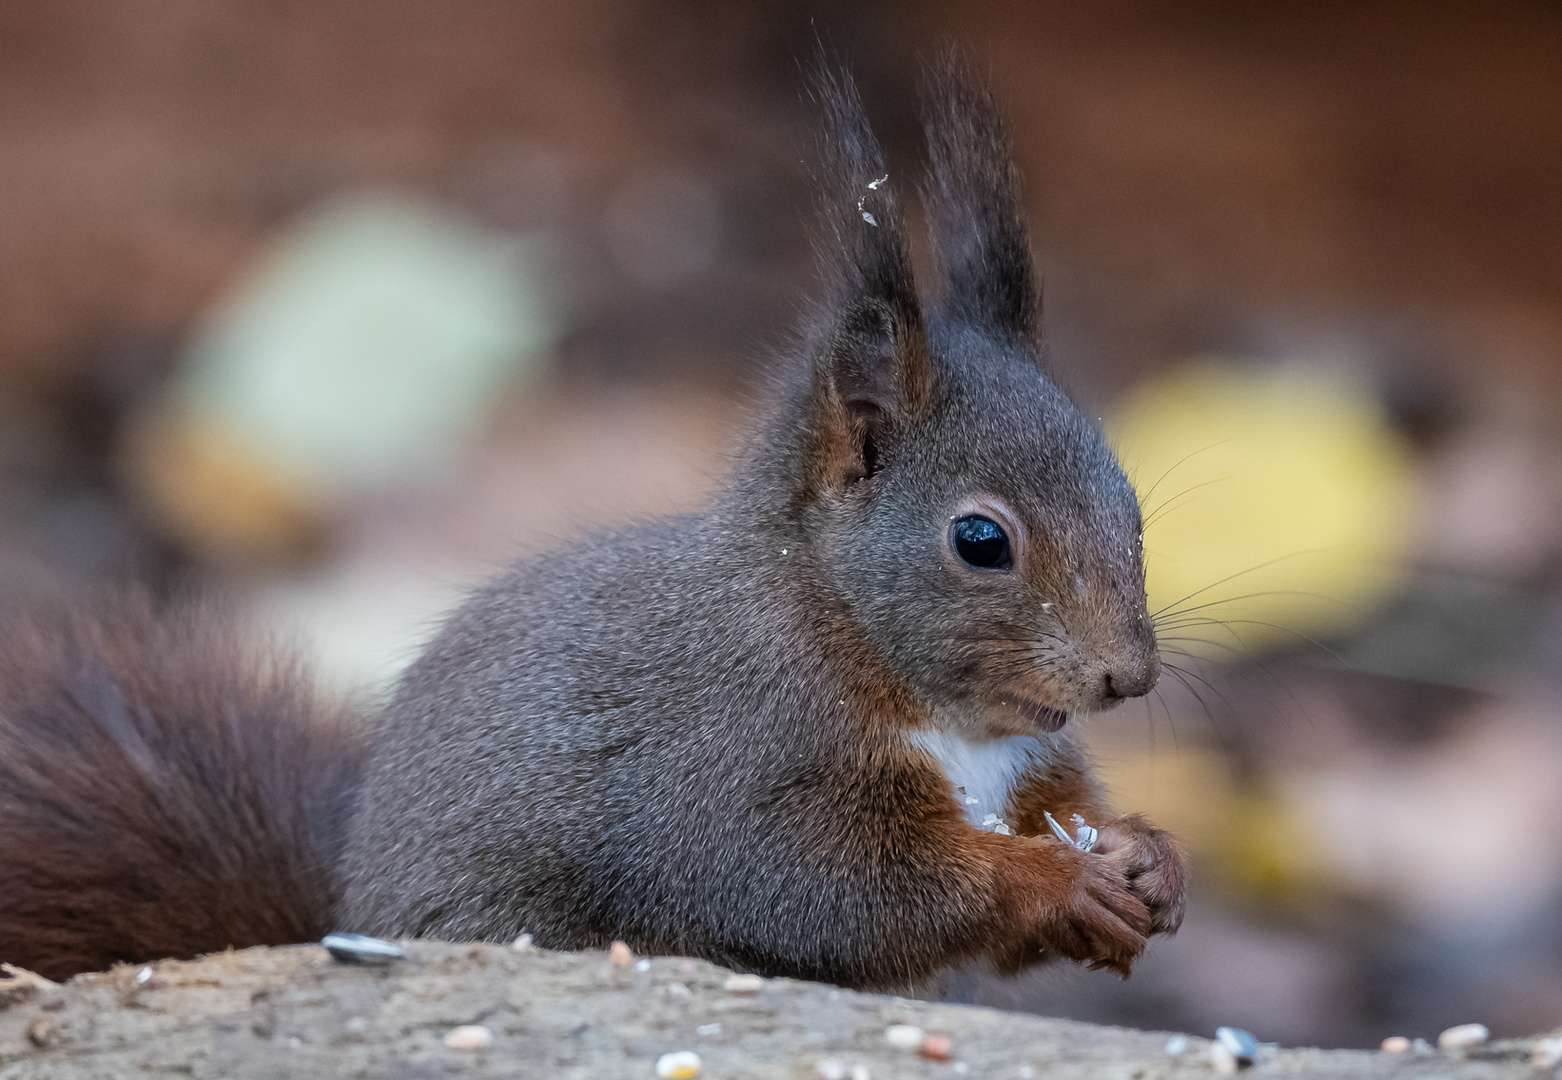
(972, 193)
(871, 368)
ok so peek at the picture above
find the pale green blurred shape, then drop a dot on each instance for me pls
(367, 345)
(1282, 505)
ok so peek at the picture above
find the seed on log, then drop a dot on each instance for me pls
(361, 949)
(1457, 1038)
(743, 985)
(936, 1047)
(1242, 1045)
(679, 1065)
(469, 1037)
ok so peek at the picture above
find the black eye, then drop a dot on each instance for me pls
(981, 543)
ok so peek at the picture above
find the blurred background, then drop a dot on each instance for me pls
(335, 306)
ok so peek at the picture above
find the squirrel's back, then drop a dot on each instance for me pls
(590, 735)
(166, 789)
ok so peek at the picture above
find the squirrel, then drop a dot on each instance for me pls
(814, 730)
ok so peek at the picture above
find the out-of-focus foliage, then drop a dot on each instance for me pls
(364, 351)
(1278, 501)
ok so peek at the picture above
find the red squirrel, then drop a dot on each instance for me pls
(812, 730)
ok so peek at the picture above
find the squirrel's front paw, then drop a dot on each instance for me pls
(1152, 864)
(1101, 922)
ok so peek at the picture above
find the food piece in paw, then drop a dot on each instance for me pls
(1084, 837)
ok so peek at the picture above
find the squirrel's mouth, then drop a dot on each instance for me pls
(1046, 720)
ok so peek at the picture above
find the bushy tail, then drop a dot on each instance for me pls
(165, 790)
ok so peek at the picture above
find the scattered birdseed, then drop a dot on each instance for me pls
(1221, 1057)
(904, 1036)
(642, 965)
(620, 954)
(709, 1029)
(1456, 1038)
(144, 976)
(830, 1069)
(1395, 1044)
(469, 1037)
(1176, 1045)
(1242, 1045)
(743, 985)
(860, 1072)
(679, 1065)
(522, 943)
(936, 1047)
(360, 949)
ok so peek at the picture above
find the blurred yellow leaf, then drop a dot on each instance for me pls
(1278, 501)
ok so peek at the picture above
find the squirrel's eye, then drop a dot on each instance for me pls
(981, 543)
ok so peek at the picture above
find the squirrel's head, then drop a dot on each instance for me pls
(972, 521)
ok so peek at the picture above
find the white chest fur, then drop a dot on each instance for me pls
(989, 771)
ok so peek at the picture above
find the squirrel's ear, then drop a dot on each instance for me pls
(871, 368)
(972, 194)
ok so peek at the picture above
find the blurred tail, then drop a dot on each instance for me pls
(165, 790)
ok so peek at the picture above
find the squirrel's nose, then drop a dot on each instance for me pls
(1133, 680)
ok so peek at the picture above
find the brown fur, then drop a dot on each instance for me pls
(1145, 859)
(165, 790)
